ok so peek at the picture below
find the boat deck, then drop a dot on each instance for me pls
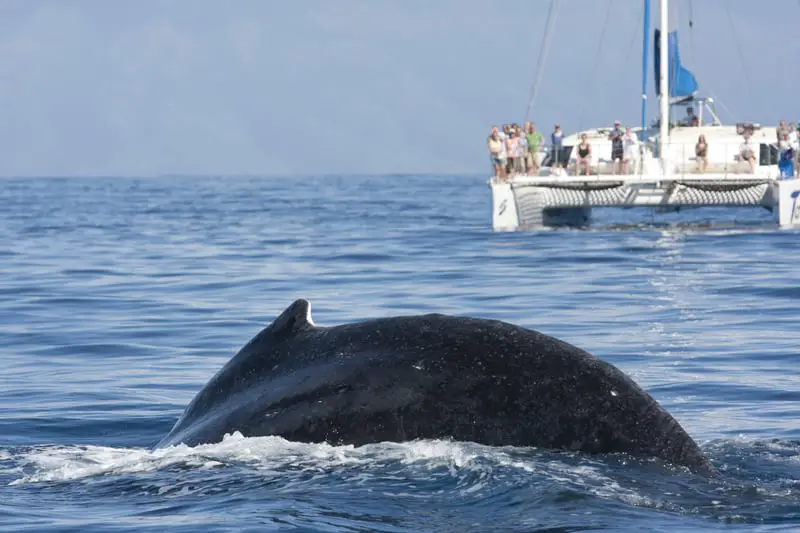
(553, 180)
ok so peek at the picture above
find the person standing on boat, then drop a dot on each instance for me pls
(786, 157)
(534, 142)
(794, 140)
(793, 136)
(784, 143)
(781, 130)
(630, 145)
(496, 152)
(557, 140)
(503, 135)
(513, 149)
(523, 149)
(617, 149)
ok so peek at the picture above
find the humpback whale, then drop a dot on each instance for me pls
(429, 377)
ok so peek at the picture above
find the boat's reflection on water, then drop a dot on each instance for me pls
(685, 220)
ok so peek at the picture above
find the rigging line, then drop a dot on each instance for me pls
(595, 64)
(691, 32)
(543, 52)
(723, 106)
(637, 34)
(748, 86)
(692, 56)
(545, 46)
(672, 67)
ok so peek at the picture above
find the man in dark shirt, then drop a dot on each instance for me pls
(616, 146)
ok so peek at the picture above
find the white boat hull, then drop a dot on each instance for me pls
(541, 201)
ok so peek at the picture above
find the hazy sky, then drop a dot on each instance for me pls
(148, 87)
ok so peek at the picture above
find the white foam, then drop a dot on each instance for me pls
(472, 466)
(60, 463)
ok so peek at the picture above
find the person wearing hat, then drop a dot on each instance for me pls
(617, 148)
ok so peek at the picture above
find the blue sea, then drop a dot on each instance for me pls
(120, 298)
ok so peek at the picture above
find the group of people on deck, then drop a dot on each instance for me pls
(787, 143)
(747, 152)
(515, 151)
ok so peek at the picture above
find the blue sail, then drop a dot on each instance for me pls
(682, 83)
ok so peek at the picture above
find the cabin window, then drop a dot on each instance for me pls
(563, 157)
(767, 154)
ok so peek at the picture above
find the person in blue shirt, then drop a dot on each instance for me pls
(786, 158)
(557, 140)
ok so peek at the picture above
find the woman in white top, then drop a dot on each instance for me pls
(630, 146)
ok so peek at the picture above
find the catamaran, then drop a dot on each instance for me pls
(666, 174)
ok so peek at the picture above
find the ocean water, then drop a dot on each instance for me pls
(120, 298)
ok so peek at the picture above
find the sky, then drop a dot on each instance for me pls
(320, 87)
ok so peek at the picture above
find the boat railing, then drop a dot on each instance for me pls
(723, 160)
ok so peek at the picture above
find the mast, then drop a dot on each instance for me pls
(645, 43)
(664, 81)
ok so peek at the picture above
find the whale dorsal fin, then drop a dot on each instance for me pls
(296, 318)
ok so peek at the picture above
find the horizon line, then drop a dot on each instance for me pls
(169, 175)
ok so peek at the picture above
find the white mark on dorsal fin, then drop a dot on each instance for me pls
(614, 393)
(296, 318)
(308, 314)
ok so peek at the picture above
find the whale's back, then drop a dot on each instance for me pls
(429, 376)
